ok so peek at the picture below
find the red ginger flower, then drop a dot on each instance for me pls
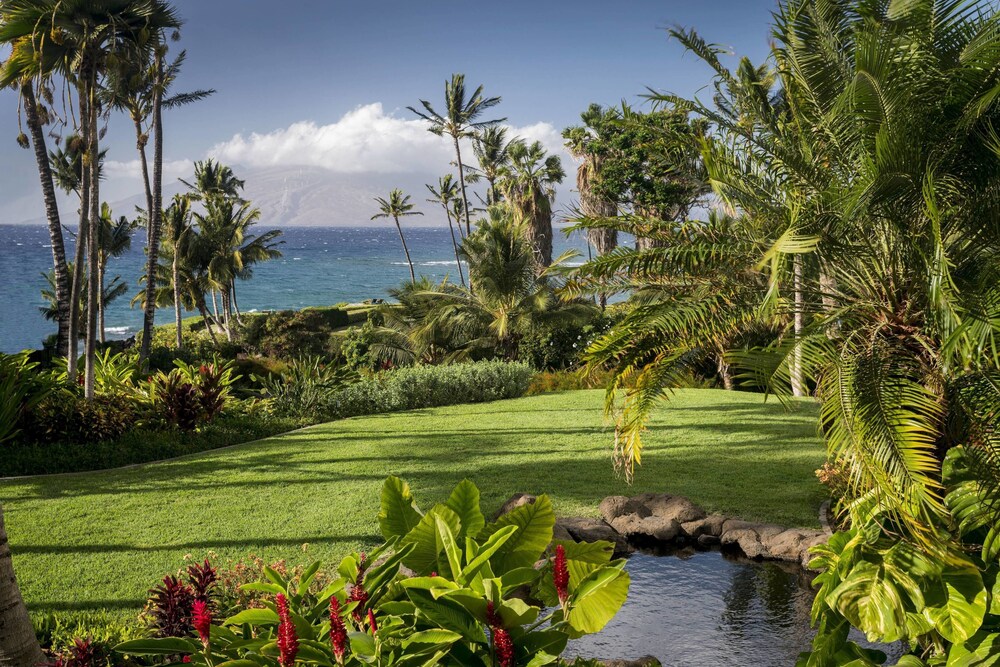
(371, 621)
(201, 619)
(359, 595)
(492, 618)
(288, 640)
(338, 633)
(504, 647)
(560, 575)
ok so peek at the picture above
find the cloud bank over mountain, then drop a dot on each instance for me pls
(364, 140)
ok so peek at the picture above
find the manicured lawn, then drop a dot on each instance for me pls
(100, 540)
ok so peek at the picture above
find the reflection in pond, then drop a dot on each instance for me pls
(707, 608)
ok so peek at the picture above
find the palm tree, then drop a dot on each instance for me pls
(23, 69)
(528, 184)
(229, 250)
(396, 206)
(490, 146)
(18, 643)
(177, 239)
(445, 194)
(213, 179)
(114, 240)
(458, 122)
(506, 297)
(580, 141)
(81, 35)
(109, 293)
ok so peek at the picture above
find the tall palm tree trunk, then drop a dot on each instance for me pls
(176, 280)
(465, 198)
(100, 302)
(454, 244)
(235, 304)
(63, 289)
(798, 383)
(155, 213)
(76, 287)
(93, 263)
(225, 315)
(18, 644)
(409, 262)
(140, 144)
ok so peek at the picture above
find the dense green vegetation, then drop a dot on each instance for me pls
(319, 485)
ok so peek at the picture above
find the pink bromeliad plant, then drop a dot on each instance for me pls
(445, 588)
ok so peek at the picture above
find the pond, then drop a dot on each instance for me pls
(708, 608)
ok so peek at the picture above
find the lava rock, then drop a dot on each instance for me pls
(710, 525)
(585, 529)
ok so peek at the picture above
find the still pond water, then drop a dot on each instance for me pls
(707, 608)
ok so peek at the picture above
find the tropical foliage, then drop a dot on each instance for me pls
(457, 603)
(857, 263)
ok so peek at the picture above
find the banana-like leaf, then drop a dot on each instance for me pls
(534, 523)
(464, 501)
(398, 514)
(597, 599)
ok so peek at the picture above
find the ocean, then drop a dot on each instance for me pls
(320, 266)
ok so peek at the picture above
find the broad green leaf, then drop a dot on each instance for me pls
(253, 617)
(362, 644)
(516, 612)
(871, 602)
(541, 659)
(961, 615)
(486, 551)
(436, 637)
(544, 641)
(597, 599)
(158, 646)
(276, 578)
(534, 523)
(399, 513)
(447, 614)
(427, 546)
(464, 501)
(447, 539)
(263, 587)
(307, 578)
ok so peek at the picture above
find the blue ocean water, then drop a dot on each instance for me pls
(320, 266)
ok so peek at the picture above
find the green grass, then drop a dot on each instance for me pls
(100, 540)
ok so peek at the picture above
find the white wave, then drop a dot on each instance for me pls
(117, 331)
(296, 259)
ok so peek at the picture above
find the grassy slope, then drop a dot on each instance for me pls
(100, 540)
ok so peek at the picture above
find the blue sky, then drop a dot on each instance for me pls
(328, 65)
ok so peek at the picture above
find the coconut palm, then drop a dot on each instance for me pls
(114, 239)
(445, 194)
(109, 293)
(139, 86)
(79, 37)
(528, 184)
(18, 643)
(24, 69)
(178, 236)
(397, 206)
(213, 179)
(490, 145)
(506, 297)
(459, 121)
(229, 251)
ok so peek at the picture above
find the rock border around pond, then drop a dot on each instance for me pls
(663, 519)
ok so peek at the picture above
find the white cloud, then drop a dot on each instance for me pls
(364, 140)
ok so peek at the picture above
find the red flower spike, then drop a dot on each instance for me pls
(504, 647)
(560, 575)
(288, 640)
(338, 632)
(492, 618)
(359, 595)
(186, 659)
(371, 621)
(201, 619)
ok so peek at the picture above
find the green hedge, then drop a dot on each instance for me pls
(430, 386)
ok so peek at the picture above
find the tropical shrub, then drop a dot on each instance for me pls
(566, 380)
(460, 603)
(293, 333)
(189, 395)
(305, 388)
(429, 386)
(22, 387)
(85, 639)
(560, 347)
(71, 419)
